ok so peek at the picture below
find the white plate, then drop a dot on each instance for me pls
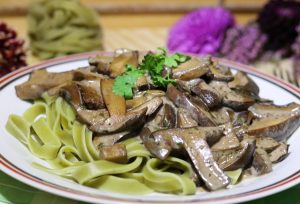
(15, 159)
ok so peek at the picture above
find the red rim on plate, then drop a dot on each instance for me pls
(9, 168)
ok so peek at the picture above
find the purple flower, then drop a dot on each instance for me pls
(200, 31)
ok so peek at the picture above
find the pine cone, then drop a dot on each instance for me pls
(12, 54)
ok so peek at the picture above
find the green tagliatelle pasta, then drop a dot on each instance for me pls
(50, 131)
(61, 27)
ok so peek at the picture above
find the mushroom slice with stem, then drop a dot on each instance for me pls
(202, 159)
(171, 139)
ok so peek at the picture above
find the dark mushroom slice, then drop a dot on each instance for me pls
(223, 115)
(266, 143)
(152, 106)
(187, 85)
(220, 72)
(108, 140)
(165, 118)
(279, 128)
(279, 153)
(242, 118)
(198, 113)
(243, 82)
(191, 69)
(171, 139)
(41, 81)
(238, 159)
(90, 97)
(102, 63)
(117, 66)
(210, 97)
(261, 162)
(237, 100)
(117, 123)
(203, 161)
(227, 142)
(115, 104)
(71, 93)
(184, 119)
(260, 110)
(115, 153)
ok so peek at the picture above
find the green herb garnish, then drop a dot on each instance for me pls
(153, 64)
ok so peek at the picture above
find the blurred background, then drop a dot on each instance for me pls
(257, 32)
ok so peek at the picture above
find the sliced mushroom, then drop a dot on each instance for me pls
(223, 115)
(102, 63)
(115, 104)
(243, 82)
(261, 162)
(210, 97)
(266, 143)
(240, 158)
(152, 105)
(279, 128)
(202, 158)
(260, 110)
(118, 63)
(91, 99)
(108, 140)
(227, 142)
(220, 72)
(71, 93)
(171, 139)
(41, 81)
(198, 113)
(234, 99)
(191, 69)
(184, 119)
(187, 85)
(279, 153)
(242, 118)
(115, 153)
(132, 120)
(166, 117)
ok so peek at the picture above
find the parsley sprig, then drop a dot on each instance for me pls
(153, 64)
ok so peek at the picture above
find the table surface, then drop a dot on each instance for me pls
(138, 31)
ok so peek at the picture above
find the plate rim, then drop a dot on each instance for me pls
(13, 171)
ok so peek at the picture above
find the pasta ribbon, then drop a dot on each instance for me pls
(50, 131)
